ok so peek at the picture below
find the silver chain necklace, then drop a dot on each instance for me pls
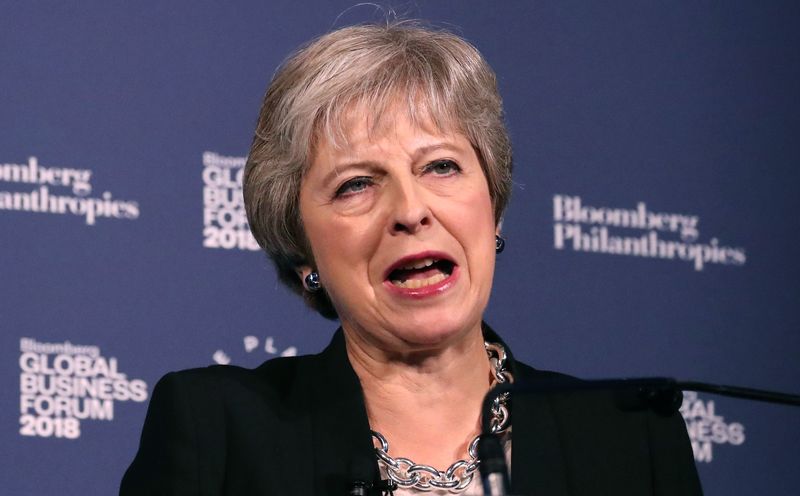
(458, 476)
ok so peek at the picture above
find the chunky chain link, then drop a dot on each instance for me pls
(458, 476)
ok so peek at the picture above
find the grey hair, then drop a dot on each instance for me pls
(438, 77)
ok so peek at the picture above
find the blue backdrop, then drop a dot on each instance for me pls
(653, 227)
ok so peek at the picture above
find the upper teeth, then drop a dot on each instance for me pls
(419, 264)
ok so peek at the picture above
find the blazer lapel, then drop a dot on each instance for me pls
(537, 461)
(340, 435)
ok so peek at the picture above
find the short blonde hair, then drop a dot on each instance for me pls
(439, 77)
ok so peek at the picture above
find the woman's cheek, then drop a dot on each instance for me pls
(347, 241)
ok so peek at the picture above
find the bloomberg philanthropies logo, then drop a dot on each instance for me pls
(585, 228)
(43, 200)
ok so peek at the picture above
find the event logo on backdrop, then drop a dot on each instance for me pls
(225, 223)
(225, 227)
(706, 428)
(62, 384)
(270, 348)
(612, 230)
(70, 192)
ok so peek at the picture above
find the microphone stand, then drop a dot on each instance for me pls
(661, 394)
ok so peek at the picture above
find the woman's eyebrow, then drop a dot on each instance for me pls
(442, 145)
(339, 169)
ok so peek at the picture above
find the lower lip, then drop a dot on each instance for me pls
(425, 291)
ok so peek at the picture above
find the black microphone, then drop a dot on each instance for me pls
(494, 473)
(362, 475)
(659, 394)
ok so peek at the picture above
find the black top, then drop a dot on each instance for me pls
(299, 426)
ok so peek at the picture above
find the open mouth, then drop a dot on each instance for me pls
(421, 272)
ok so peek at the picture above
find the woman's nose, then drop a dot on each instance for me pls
(410, 211)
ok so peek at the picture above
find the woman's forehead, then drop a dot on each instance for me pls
(369, 118)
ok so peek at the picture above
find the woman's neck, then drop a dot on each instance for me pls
(427, 404)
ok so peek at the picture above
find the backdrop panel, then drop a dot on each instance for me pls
(652, 230)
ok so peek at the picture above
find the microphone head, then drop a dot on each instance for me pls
(494, 474)
(660, 398)
(491, 455)
(361, 474)
(664, 400)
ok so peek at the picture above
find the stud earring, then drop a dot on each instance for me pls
(312, 282)
(499, 243)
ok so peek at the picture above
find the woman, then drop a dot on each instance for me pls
(376, 181)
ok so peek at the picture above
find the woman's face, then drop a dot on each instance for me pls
(402, 229)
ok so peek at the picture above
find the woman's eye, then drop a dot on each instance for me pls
(442, 167)
(355, 185)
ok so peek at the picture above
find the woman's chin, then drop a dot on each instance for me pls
(434, 331)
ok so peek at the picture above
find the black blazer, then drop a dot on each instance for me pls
(296, 425)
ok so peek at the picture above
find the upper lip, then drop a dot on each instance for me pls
(408, 259)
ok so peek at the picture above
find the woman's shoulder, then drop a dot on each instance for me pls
(199, 419)
(567, 391)
(526, 374)
(275, 377)
(623, 436)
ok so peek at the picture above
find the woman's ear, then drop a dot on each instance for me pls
(302, 272)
